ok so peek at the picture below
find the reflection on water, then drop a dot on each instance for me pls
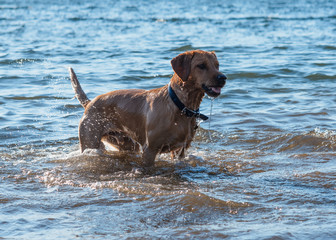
(262, 168)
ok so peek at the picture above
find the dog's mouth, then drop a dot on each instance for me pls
(213, 91)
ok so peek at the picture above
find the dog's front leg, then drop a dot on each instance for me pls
(149, 155)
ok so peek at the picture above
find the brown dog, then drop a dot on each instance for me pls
(155, 121)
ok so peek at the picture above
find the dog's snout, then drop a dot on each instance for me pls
(221, 78)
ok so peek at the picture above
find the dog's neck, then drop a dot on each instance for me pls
(187, 93)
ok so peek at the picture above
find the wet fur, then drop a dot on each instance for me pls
(148, 121)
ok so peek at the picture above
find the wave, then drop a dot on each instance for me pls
(23, 98)
(251, 75)
(327, 47)
(282, 18)
(313, 141)
(320, 76)
(20, 61)
(13, 7)
(183, 48)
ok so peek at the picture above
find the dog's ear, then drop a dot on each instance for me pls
(213, 53)
(182, 65)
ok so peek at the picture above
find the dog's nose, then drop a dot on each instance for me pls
(221, 78)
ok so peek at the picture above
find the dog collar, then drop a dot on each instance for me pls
(188, 112)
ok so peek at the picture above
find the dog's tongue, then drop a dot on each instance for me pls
(216, 89)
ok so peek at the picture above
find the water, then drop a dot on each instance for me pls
(264, 170)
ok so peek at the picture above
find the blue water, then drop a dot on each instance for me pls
(262, 168)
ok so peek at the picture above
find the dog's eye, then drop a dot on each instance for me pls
(201, 66)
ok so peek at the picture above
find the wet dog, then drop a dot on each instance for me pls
(152, 121)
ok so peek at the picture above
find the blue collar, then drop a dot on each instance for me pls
(188, 112)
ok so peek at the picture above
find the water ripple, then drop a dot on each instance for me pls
(262, 168)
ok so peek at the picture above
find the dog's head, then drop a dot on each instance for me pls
(200, 69)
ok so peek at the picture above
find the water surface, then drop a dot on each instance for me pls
(263, 168)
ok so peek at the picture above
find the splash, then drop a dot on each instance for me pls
(326, 134)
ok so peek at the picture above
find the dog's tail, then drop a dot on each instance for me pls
(79, 93)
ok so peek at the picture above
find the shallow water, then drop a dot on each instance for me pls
(264, 168)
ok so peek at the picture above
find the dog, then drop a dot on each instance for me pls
(152, 121)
